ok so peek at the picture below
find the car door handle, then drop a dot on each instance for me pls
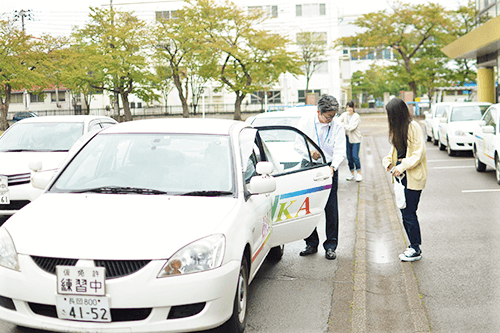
(321, 177)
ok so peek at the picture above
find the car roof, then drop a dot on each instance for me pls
(61, 119)
(296, 111)
(177, 125)
(462, 103)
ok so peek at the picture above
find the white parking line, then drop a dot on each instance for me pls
(454, 167)
(456, 160)
(480, 191)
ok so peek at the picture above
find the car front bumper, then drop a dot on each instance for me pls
(461, 142)
(28, 299)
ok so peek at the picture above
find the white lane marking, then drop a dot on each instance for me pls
(480, 191)
(450, 160)
(454, 167)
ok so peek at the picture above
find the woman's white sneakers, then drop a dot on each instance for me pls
(350, 177)
(359, 177)
(410, 254)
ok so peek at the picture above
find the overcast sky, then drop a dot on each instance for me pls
(57, 17)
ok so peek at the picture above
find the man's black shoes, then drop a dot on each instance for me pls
(330, 254)
(309, 250)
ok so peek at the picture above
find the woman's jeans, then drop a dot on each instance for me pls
(352, 150)
(409, 214)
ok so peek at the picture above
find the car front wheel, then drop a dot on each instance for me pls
(480, 166)
(238, 320)
(450, 151)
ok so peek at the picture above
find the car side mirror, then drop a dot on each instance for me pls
(488, 129)
(264, 183)
(40, 179)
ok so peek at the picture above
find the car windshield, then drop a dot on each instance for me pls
(174, 164)
(469, 112)
(41, 136)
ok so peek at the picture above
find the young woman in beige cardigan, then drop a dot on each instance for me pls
(351, 119)
(407, 157)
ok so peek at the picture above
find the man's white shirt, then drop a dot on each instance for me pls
(330, 137)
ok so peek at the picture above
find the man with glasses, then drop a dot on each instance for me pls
(323, 128)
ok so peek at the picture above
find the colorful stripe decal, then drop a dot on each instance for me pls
(307, 191)
(261, 247)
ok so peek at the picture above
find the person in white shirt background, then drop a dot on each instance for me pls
(351, 120)
(325, 130)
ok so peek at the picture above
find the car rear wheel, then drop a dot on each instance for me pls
(480, 166)
(450, 151)
(238, 320)
(441, 146)
(276, 253)
(429, 138)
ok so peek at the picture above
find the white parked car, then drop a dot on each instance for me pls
(457, 125)
(432, 122)
(487, 141)
(37, 139)
(156, 226)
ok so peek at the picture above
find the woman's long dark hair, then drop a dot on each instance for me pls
(399, 119)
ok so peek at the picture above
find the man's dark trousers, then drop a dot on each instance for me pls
(332, 220)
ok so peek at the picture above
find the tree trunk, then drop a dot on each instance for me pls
(4, 108)
(126, 106)
(237, 105)
(178, 85)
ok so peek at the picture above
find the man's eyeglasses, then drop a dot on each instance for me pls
(328, 118)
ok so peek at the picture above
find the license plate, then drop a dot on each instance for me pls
(83, 308)
(81, 281)
(4, 191)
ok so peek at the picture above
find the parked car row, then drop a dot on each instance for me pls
(472, 126)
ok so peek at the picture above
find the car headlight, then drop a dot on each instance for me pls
(460, 133)
(8, 253)
(201, 255)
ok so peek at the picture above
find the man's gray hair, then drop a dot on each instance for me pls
(328, 103)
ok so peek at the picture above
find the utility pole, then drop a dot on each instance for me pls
(22, 14)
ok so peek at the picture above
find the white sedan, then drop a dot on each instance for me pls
(487, 142)
(457, 125)
(37, 139)
(431, 121)
(157, 226)
(289, 117)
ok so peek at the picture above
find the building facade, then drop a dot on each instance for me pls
(482, 44)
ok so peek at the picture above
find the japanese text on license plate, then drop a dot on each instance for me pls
(83, 308)
(72, 280)
(4, 191)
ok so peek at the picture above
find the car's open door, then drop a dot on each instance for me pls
(302, 184)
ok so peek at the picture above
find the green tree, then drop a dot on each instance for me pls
(21, 61)
(181, 46)
(249, 59)
(376, 81)
(410, 30)
(116, 46)
(312, 49)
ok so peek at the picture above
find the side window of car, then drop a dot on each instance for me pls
(487, 118)
(493, 116)
(290, 149)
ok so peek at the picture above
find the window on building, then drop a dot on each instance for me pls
(302, 94)
(317, 37)
(165, 15)
(35, 98)
(310, 9)
(270, 11)
(16, 98)
(132, 105)
(62, 96)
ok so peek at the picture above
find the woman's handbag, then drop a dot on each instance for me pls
(399, 192)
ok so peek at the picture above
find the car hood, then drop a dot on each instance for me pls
(466, 126)
(112, 226)
(12, 163)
